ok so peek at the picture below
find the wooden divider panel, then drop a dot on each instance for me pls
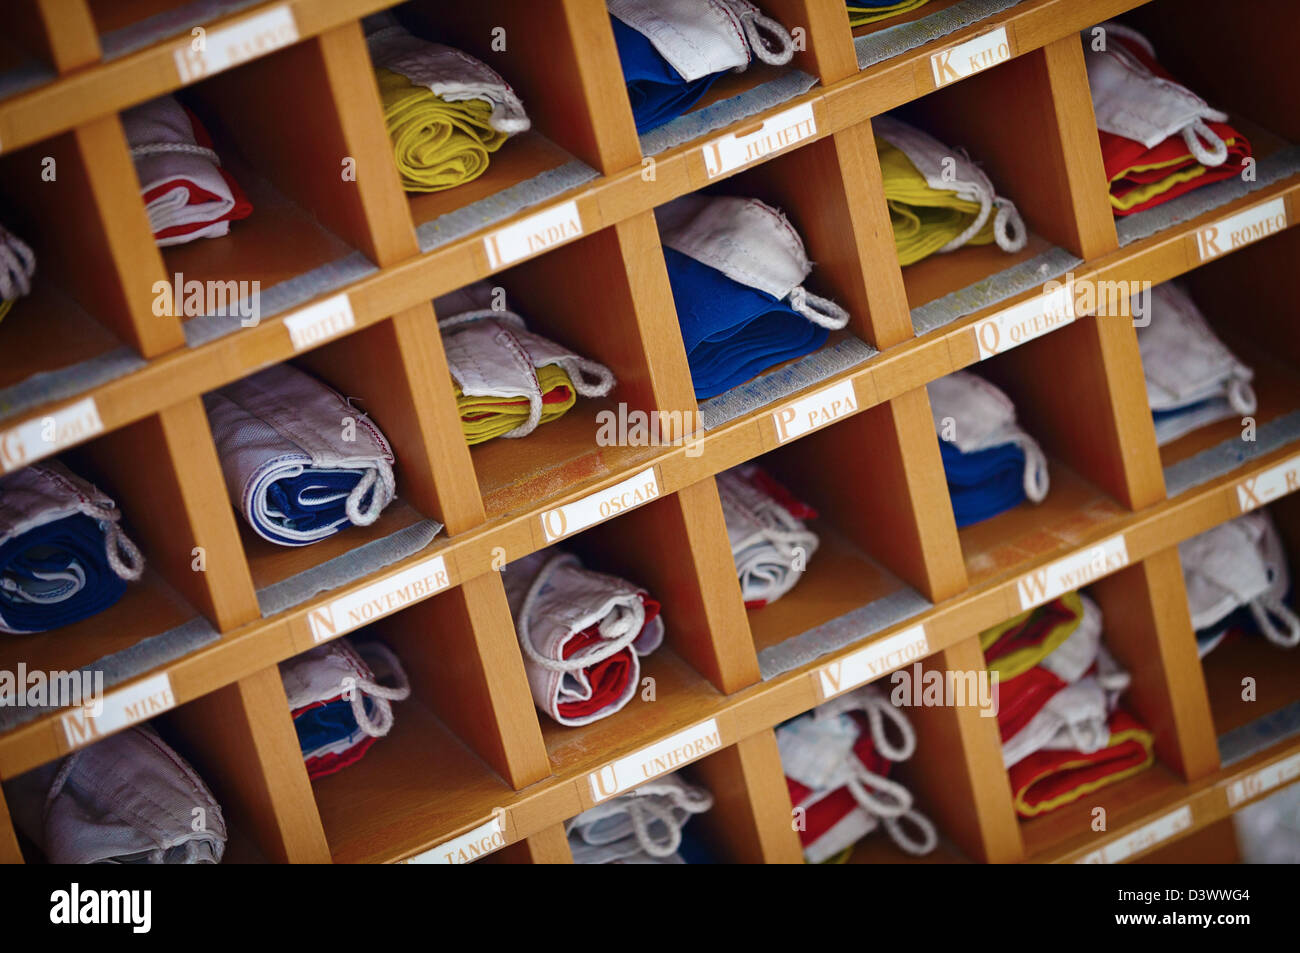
(877, 476)
(830, 191)
(1147, 628)
(460, 652)
(65, 33)
(957, 775)
(1029, 124)
(751, 821)
(823, 42)
(166, 479)
(396, 373)
(549, 846)
(308, 119)
(676, 547)
(241, 741)
(9, 850)
(77, 198)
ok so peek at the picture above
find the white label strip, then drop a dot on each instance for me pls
(43, 436)
(1258, 221)
(320, 322)
(1144, 837)
(215, 50)
(872, 661)
(1267, 486)
(1265, 779)
(667, 755)
(728, 153)
(378, 599)
(816, 410)
(600, 506)
(117, 710)
(966, 59)
(1025, 321)
(536, 233)
(466, 848)
(1072, 572)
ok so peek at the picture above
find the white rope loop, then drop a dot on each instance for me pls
(184, 148)
(641, 812)
(769, 41)
(820, 311)
(878, 708)
(381, 695)
(866, 788)
(619, 629)
(1265, 609)
(929, 838)
(590, 378)
(17, 265)
(1008, 227)
(1241, 396)
(1205, 144)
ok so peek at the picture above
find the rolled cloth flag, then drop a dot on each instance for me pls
(991, 465)
(1192, 378)
(128, 799)
(862, 12)
(939, 200)
(1158, 138)
(287, 464)
(1237, 573)
(17, 265)
(582, 634)
(340, 701)
(770, 544)
(672, 51)
(737, 268)
(836, 760)
(642, 826)
(509, 380)
(63, 554)
(445, 111)
(186, 192)
(1053, 777)
(1013, 647)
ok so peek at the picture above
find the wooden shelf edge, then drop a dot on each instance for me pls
(757, 708)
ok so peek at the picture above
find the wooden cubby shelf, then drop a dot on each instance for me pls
(288, 91)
